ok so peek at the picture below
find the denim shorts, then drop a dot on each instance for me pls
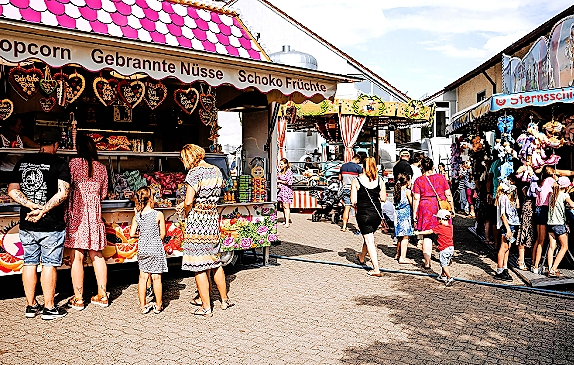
(43, 247)
(347, 197)
(541, 215)
(445, 256)
(558, 229)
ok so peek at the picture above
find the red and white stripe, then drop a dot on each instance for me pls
(351, 126)
(304, 200)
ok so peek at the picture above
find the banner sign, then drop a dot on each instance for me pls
(368, 106)
(548, 64)
(533, 98)
(18, 48)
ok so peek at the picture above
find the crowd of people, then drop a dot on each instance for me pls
(61, 207)
(511, 213)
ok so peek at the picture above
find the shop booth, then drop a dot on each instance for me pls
(144, 78)
(348, 126)
(528, 130)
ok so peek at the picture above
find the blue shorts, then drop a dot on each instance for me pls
(541, 215)
(43, 247)
(347, 197)
(558, 229)
(445, 256)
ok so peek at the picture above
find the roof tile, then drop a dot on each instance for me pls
(159, 21)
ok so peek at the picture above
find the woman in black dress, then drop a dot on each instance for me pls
(367, 192)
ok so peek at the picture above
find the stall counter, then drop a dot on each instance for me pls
(243, 226)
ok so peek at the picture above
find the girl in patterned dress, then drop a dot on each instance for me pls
(201, 245)
(151, 255)
(285, 183)
(403, 199)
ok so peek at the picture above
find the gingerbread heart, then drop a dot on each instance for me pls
(47, 104)
(207, 101)
(208, 117)
(106, 90)
(131, 92)
(75, 87)
(47, 84)
(25, 82)
(154, 94)
(186, 99)
(6, 108)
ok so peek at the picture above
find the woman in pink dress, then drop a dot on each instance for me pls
(85, 229)
(425, 203)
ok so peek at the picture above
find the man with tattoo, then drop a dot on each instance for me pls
(40, 184)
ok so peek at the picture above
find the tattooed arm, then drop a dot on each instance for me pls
(57, 199)
(18, 196)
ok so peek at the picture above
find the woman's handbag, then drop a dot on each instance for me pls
(442, 204)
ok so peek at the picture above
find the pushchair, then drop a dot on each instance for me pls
(330, 200)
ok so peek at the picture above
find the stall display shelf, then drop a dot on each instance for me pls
(21, 151)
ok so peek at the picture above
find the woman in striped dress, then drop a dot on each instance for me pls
(201, 245)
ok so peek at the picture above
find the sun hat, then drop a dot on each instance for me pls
(443, 214)
(564, 182)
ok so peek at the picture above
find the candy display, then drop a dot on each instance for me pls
(245, 188)
(168, 181)
(258, 190)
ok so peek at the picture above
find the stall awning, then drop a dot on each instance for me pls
(22, 40)
(477, 114)
(379, 113)
(469, 115)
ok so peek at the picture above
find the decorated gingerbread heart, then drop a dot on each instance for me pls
(106, 90)
(186, 99)
(48, 85)
(154, 94)
(6, 108)
(131, 92)
(76, 86)
(207, 101)
(47, 104)
(25, 82)
(208, 117)
(62, 88)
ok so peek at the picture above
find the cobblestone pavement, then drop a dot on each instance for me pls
(305, 313)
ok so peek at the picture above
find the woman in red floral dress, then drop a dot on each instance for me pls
(85, 228)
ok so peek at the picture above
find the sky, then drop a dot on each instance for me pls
(421, 46)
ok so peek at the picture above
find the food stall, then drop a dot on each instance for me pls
(349, 126)
(143, 79)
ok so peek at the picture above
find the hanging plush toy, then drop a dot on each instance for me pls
(533, 189)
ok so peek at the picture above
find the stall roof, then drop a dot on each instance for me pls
(499, 103)
(178, 24)
(58, 47)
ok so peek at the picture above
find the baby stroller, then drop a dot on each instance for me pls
(330, 200)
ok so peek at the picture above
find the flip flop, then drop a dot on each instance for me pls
(374, 273)
(408, 262)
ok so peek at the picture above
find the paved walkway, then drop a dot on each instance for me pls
(304, 313)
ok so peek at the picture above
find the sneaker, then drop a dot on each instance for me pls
(33, 310)
(442, 278)
(449, 281)
(503, 276)
(54, 313)
(535, 270)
